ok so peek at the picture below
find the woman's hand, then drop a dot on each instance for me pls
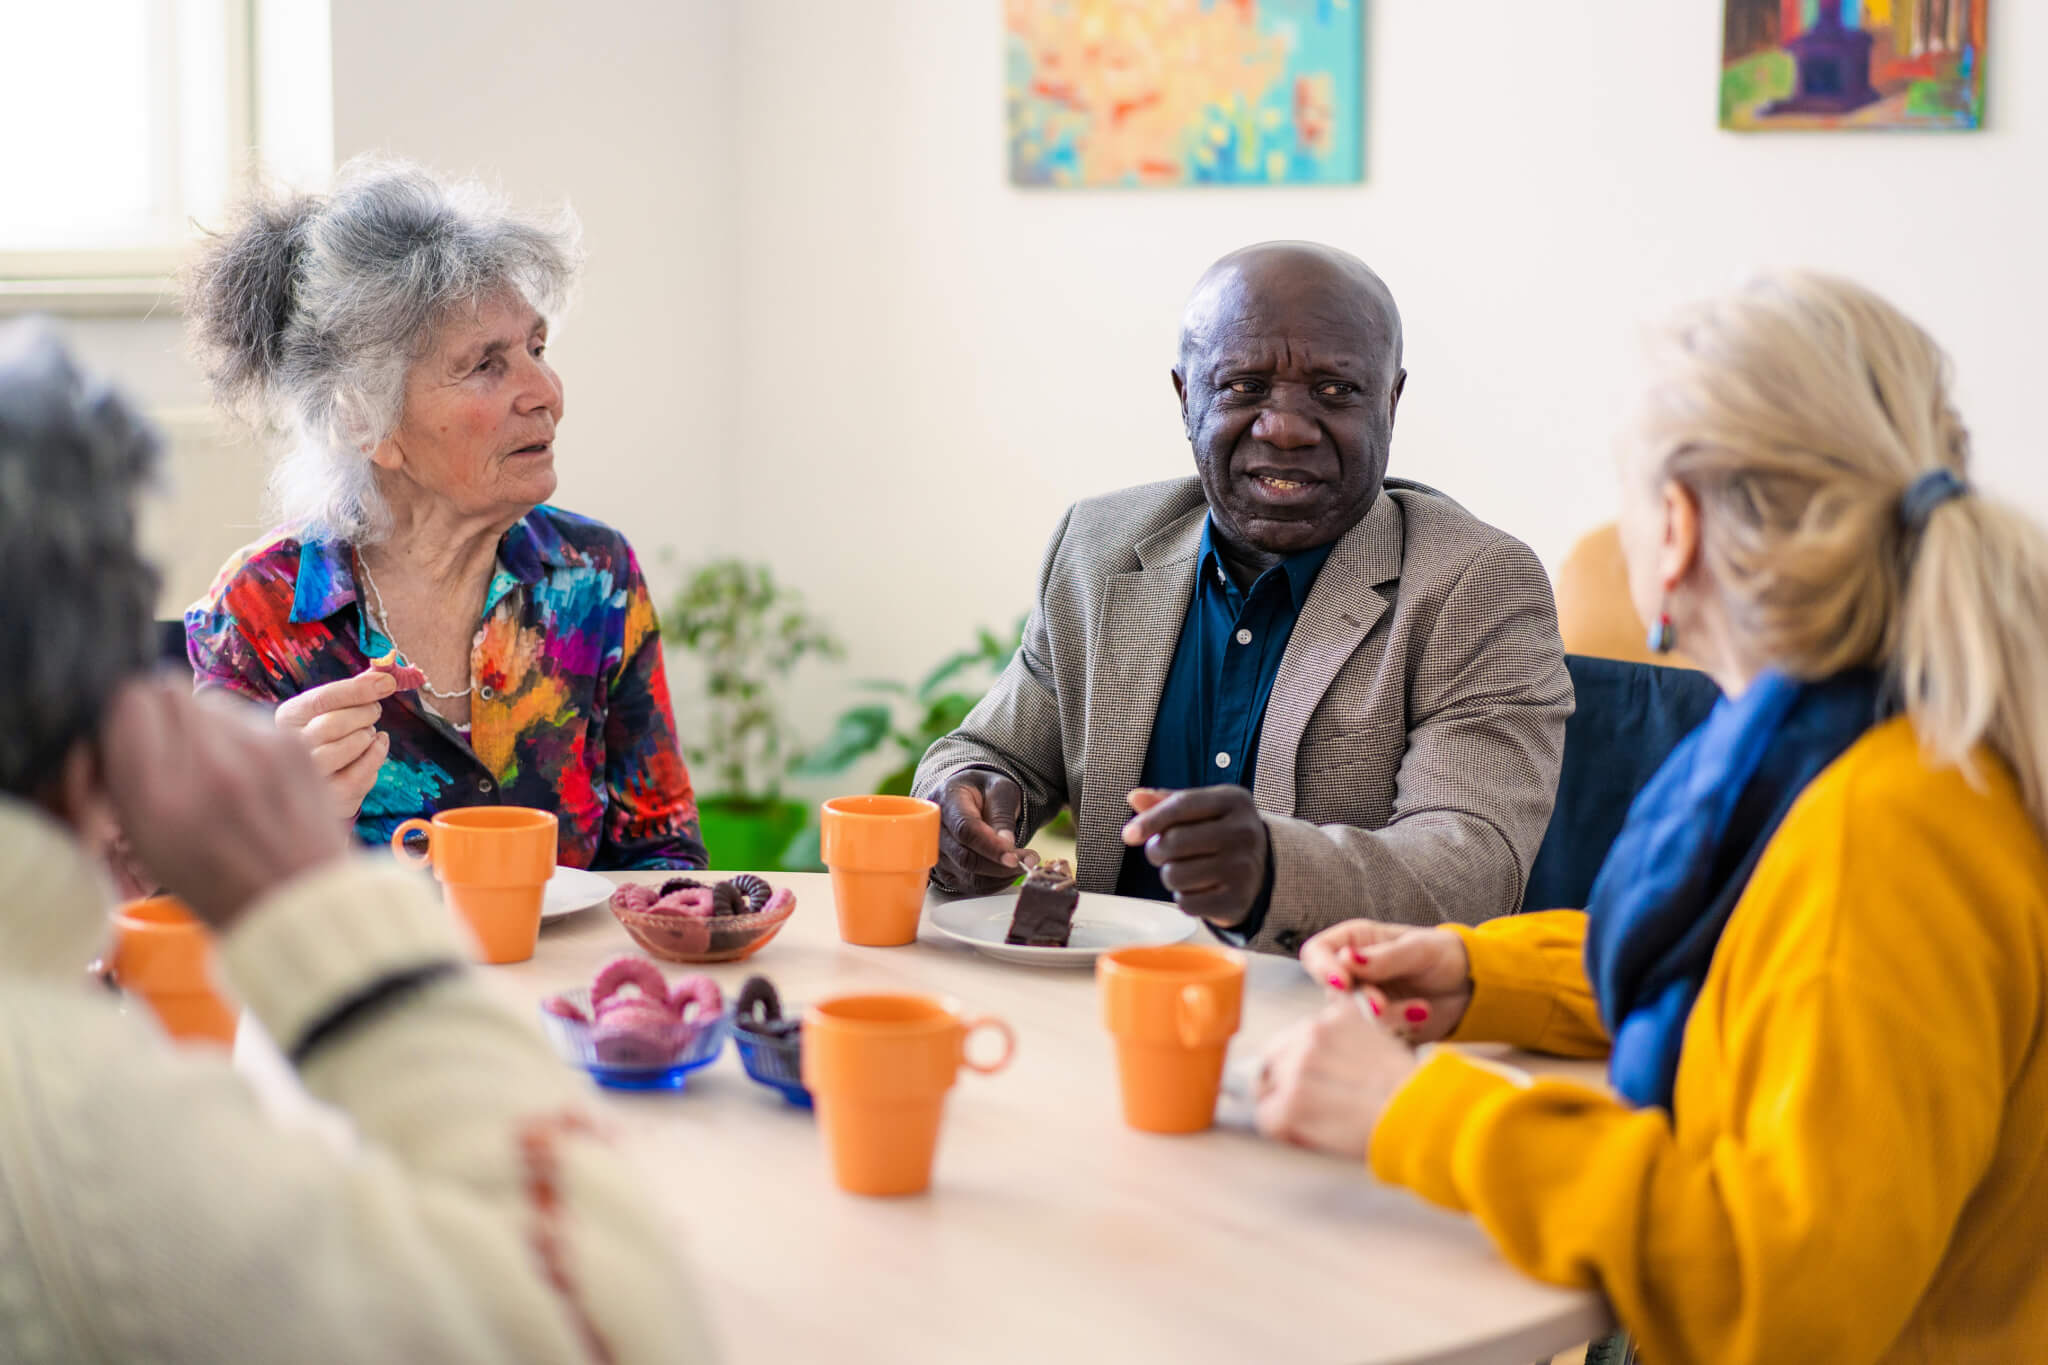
(337, 724)
(1418, 981)
(1327, 1080)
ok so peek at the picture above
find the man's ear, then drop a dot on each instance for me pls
(1394, 396)
(1180, 391)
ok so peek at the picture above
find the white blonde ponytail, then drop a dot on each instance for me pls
(1800, 412)
(1971, 658)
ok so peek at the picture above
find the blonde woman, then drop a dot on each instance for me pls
(1817, 955)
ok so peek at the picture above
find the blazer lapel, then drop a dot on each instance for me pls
(1341, 609)
(1135, 638)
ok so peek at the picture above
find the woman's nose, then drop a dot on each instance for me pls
(541, 389)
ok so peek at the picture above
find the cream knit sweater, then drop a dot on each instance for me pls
(149, 1211)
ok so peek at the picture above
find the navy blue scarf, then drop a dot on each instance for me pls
(1693, 837)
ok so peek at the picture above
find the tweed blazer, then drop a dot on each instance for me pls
(1410, 750)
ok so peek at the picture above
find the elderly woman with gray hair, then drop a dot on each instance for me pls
(145, 1195)
(432, 631)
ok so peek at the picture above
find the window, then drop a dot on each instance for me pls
(135, 121)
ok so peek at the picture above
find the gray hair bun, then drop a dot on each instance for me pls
(238, 293)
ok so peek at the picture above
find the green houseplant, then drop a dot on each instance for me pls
(746, 633)
(908, 720)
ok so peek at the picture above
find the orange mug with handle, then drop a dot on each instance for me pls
(878, 1068)
(881, 851)
(493, 863)
(1172, 1010)
(163, 955)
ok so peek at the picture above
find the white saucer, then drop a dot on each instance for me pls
(1100, 924)
(572, 889)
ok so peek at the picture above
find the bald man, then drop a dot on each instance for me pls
(1287, 691)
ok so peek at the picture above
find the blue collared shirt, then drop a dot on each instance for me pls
(1214, 701)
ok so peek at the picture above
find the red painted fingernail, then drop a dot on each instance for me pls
(1375, 1006)
(1338, 983)
(1356, 956)
(1415, 1014)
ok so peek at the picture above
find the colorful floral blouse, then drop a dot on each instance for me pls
(571, 710)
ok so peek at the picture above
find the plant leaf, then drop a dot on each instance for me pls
(857, 733)
(951, 667)
(945, 713)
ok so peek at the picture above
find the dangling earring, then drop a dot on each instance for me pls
(1662, 635)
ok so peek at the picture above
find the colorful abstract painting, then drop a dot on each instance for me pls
(1804, 64)
(1185, 92)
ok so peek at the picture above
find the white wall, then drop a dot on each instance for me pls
(627, 111)
(820, 327)
(933, 363)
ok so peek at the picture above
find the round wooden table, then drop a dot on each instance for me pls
(1052, 1232)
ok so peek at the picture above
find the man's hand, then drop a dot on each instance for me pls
(220, 806)
(1210, 846)
(978, 816)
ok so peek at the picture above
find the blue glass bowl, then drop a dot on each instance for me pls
(572, 1043)
(775, 1062)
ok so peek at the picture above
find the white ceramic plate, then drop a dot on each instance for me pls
(572, 889)
(1100, 924)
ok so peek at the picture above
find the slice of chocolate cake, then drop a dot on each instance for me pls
(1045, 907)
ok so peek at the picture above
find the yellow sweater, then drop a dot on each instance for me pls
(1858, 1165)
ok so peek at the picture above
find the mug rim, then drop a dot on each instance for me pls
(1215, 964)
(169, 915)
(505, 819)
(880, 807)
(944, 1012)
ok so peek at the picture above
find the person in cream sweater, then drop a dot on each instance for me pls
(149, 1208)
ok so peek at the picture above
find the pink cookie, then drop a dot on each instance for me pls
(633, 896)
(408, 678)
(635, 1033)
(624, 971)
(696, 902)
(700, 991)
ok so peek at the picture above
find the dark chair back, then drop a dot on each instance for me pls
(1629, 718)
(170, 647)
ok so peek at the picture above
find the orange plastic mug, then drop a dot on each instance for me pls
(164, 955)
(881, 851)
(878, 1068)
(493, 863)
(1172, 1010)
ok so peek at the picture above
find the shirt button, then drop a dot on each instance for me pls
(1244, 637)
(484, 784)
(1288, 939)
(486, 693)
(1223, 760)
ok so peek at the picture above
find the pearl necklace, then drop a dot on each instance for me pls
(384, 624)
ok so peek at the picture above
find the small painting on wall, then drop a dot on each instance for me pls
(1185, 92)
(1852, 64)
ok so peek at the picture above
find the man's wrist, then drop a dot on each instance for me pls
(1255, 918)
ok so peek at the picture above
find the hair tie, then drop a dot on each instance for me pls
(1926, 493)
